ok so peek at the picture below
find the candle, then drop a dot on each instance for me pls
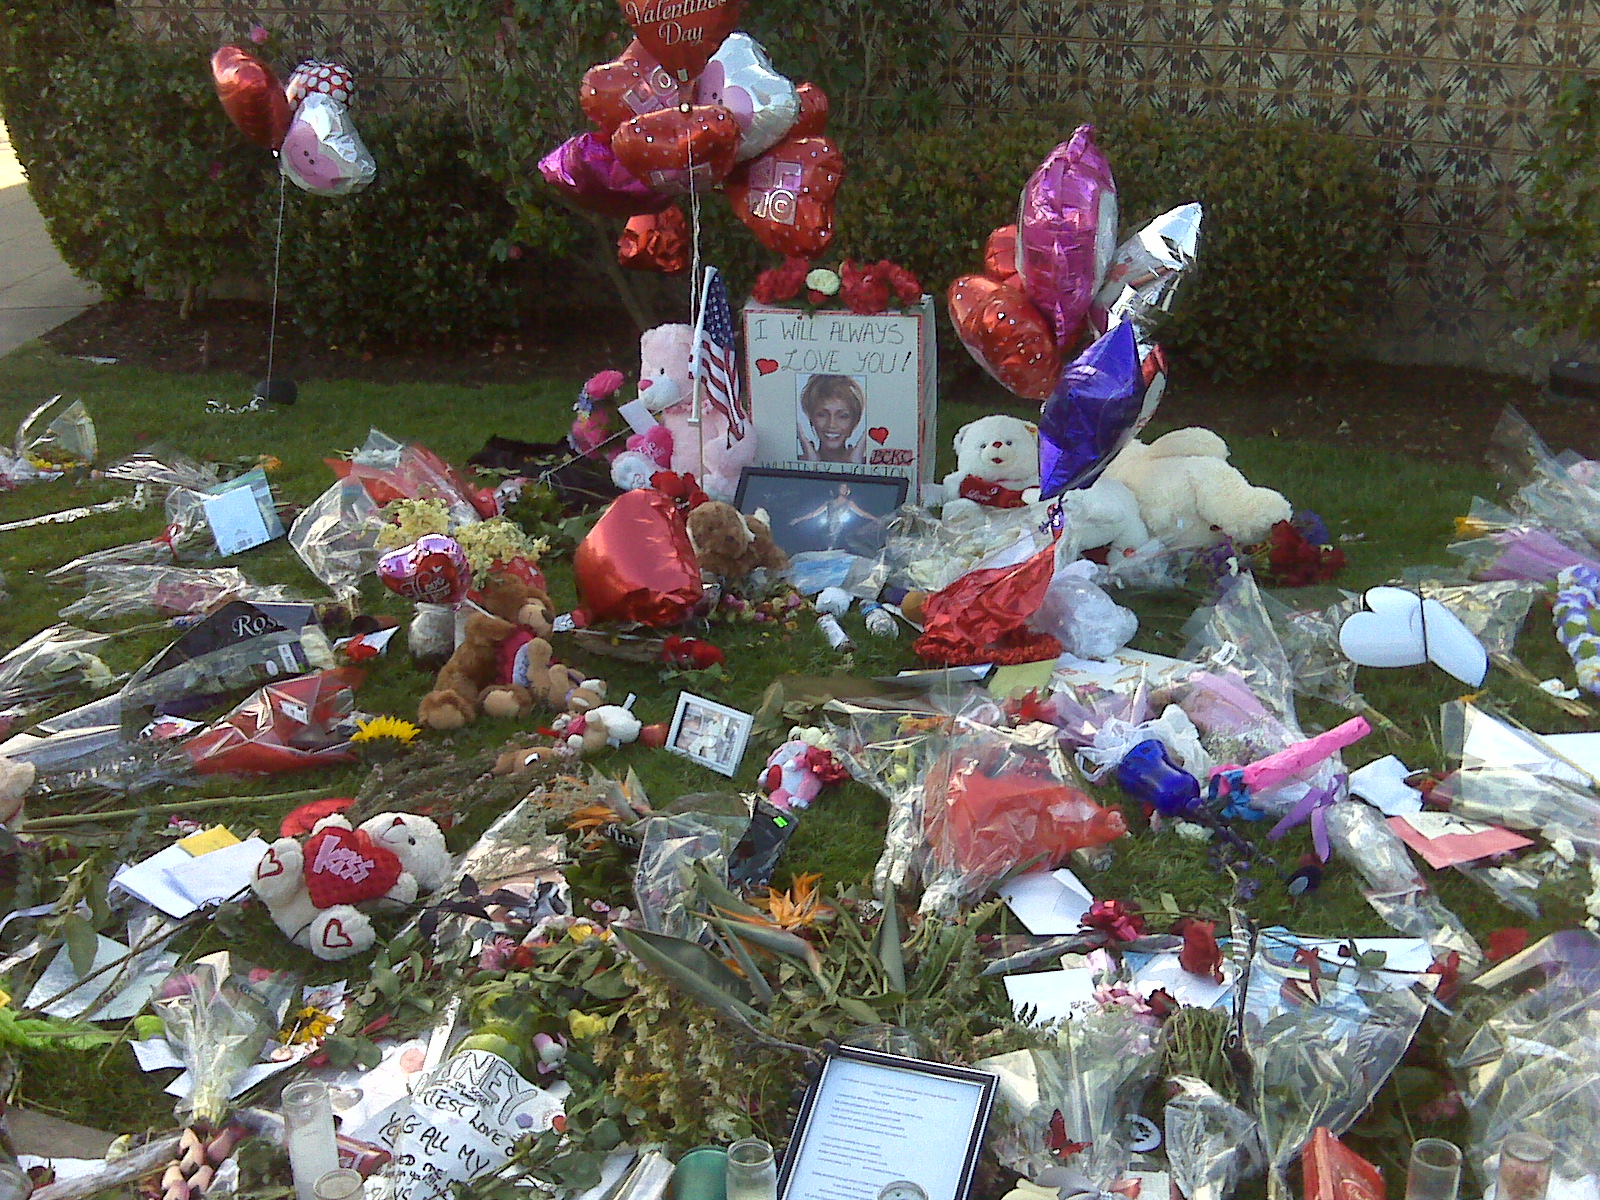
(308, 1132)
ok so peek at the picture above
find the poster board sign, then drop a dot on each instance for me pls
(833, 391)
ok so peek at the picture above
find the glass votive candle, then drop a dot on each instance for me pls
(752, 1172)
(1435, 1170)
(1524, 1167)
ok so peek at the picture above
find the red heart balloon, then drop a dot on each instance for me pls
(682, 34)
(661, 147)
(785, 196)
(634, 83)
(251, 95)
(1000, 256)
(345, 866)
(636, 564)
(1007, 334)
(813, 118)
(656, 242)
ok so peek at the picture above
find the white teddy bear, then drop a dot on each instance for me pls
(1104, 514)
(312, 890)
(997, 466)
(1189, 496)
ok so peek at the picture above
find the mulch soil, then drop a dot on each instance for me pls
(1430, 412)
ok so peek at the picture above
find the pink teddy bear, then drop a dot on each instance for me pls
(790, 780)
(666, 388)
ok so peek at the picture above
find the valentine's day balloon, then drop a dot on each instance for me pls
(1067, 231)
(682, 34)
(1007, 334)
(636, 564)
(785, 197)
(334, 80)
(741, 79)
(322, 152)
(813, 118)
(1000, 256)
(670, 149)
(1092, 413)
(432, 570)
(633, 84)
(1147, 268)
(585, 170)
(251, 96)
(656, 242)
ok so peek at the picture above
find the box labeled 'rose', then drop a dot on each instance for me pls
(835, 391)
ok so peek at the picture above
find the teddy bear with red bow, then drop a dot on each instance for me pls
(313, 889)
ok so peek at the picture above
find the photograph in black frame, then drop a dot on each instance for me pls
(822, 510)
(819, 1163)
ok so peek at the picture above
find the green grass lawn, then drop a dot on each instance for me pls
(1400, 510)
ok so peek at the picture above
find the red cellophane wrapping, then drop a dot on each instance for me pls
(420, 475)
(983, 616)
(290, 726)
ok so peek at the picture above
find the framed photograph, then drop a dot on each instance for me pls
(833, 390)
(823, 510)
(711, 734)
(877, 1126)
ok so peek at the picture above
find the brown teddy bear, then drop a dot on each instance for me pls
(504, 665)
(730, 545)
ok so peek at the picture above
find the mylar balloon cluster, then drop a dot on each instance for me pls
(1057, 278)
(692, 105)
(306, 123)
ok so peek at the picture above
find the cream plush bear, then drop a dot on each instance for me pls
(1189, 496)
(1104, 514)
(666, 389)
(312, 890)
(997, 466)
(15, 780)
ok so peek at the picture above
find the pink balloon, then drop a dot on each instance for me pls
(432, 570)
(1067, 232)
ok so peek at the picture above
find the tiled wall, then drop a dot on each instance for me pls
(1450, 95)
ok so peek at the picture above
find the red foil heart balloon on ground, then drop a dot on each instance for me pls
(636, 564)
(813, 118)
(785, 197)
(682, 34)
(660, 148)
(656, 242)
(345, 866)
(251, 95)
(614, 93)
(1000, 256)
(1007, 334)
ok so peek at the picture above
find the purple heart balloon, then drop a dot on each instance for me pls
(585, 171)
(1092, 414)
(1067, 232)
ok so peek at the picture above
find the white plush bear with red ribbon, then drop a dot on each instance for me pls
(313, 889)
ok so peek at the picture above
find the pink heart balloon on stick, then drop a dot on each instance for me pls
(432, 570)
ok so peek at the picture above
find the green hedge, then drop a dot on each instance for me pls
(147, 186)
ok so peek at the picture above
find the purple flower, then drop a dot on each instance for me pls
(1312, 527)
(1246, 890)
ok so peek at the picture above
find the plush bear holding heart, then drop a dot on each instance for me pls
(312, 889)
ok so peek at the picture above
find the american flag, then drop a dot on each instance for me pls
(716, 359)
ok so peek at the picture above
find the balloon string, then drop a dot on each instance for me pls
(277, 259)
(696, 309)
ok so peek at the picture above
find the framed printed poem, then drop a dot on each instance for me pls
(835, 391)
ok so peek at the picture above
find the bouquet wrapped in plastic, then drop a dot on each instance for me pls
(391, 470)
(1077, 1091)
(336, 536)
(290, 726)
(1321, 1033)
(51, 662)
(1533, 1066)
(125, 590)
(186, 538)
(219, 1013)
(1497, 544)
(997, 798)
(1554, 492)
(1211, 1143)
(922, 551)
(68, 441)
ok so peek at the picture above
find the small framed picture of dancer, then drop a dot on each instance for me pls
(823, 510)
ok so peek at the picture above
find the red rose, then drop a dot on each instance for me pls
(907, 288)
(863, 287)
(1113, 918)
(781, 283)
(1200, 954)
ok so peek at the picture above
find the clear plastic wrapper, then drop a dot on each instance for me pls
(1094, 1072)
(1310, 640)
(219, 1013)
(921, 551)
(391, 471)
(1361, 837)
(186, 538)
(163, 467)
(52, 662)
(997, 798)
(1504, 546)
(1554, 492)
(1211, 1144)
(663, 882)
(1080, 710)
(1237, 633)
(49, 450)
(1172, 728)
(1533, 1066)
(336, 536)
(1321, 1034)
(296, 725)
(1494, 611)
(125, 590)
(1086, 621)
(889, 746)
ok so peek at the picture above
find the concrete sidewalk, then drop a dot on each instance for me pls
(37, 290)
